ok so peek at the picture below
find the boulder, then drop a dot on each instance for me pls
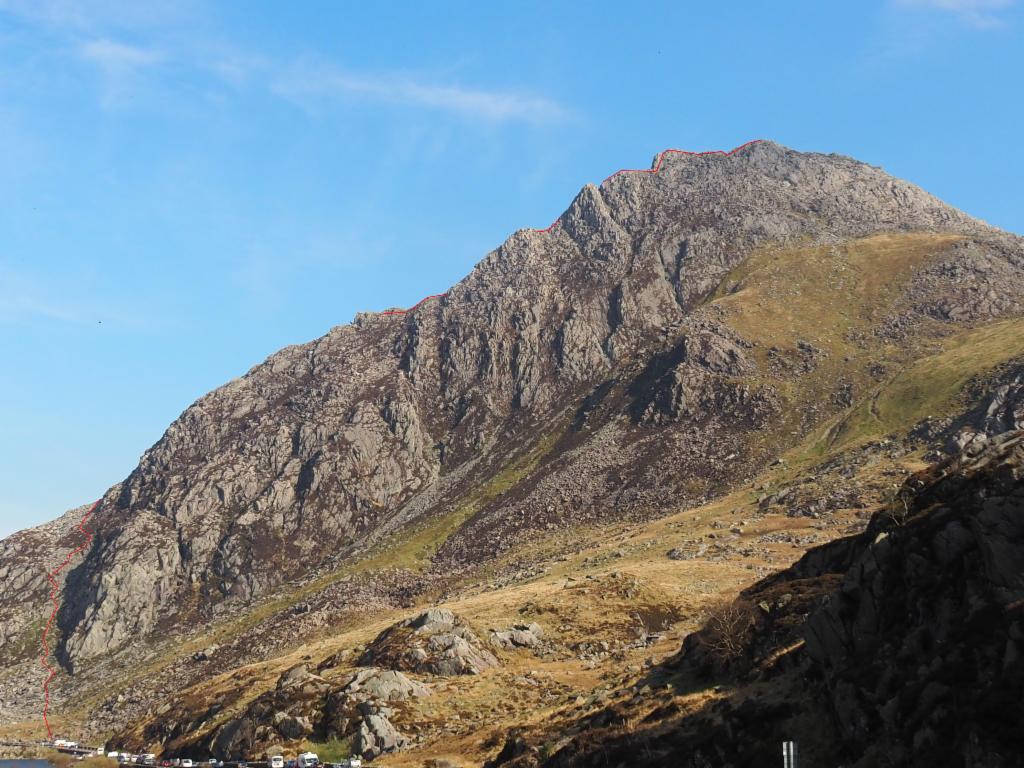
(376, 735)
(235, 740)
(383, 685)
(291, 727)
(520, 636)
(299, 680)
(434, 642)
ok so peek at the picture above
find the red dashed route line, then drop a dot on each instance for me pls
(55, 588)
(655, 169)
(410, 309)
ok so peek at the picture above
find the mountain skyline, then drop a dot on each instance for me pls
(177, 212)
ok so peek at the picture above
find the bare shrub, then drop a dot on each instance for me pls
(726, 629)
(897, 509)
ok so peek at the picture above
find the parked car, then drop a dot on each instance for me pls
(308, 760)
(186, 763)
(149, 759)
(276, 762)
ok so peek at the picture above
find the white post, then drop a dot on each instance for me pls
(789, 754)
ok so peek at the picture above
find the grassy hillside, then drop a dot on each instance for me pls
(930, 387)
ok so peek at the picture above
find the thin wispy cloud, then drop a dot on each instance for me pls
(982, 14)
(122, 68)
(115, 56)
(235, 68)
(125, 41)
(91, 16)
(320, 82)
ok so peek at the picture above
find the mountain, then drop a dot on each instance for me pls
(678, 337)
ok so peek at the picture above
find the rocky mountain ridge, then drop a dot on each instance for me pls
(622, 365)
(324, 441)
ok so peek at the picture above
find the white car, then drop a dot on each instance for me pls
(187, 764)
(308, 760)
(276, 762)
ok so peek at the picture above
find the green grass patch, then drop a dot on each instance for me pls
(821, 293)
(414, 546)
(64, 760)
(931, 386)
(332, 751)
(831, 297)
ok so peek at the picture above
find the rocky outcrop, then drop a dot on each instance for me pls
(383, 685)
(360, 707)
(702, 374)
(1000, 409)
(375, 734)
(363, 710)
(436, 642)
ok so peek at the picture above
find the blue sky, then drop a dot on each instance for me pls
(188, 186)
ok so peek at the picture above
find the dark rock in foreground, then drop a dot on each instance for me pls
(901, 646)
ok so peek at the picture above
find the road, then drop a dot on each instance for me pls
(88, 751)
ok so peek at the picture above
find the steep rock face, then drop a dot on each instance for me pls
(26, 560)
(328, 444)
(922, 645)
